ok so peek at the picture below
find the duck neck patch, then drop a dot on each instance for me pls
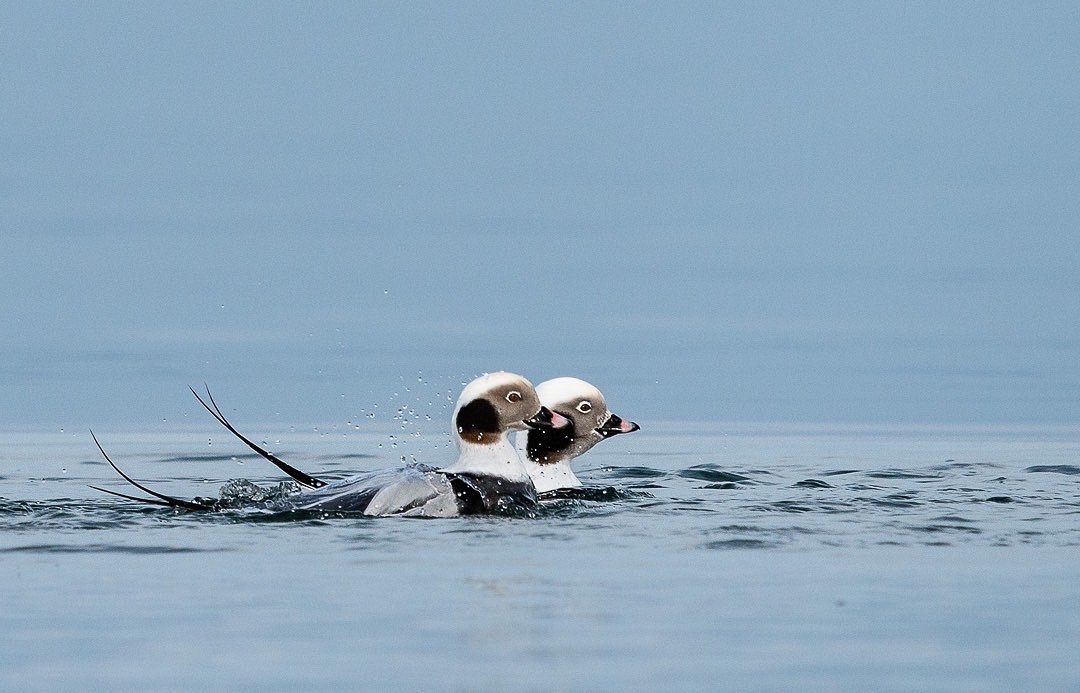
(544, 445)
(478, 422)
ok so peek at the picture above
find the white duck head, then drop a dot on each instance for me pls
(547, 452)
(488, 409)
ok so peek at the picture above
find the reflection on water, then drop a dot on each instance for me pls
(683, 546)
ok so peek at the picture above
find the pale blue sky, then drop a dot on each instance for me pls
(763, 211)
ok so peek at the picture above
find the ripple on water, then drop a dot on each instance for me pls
(1069, 469)
(741, 543)
(713, 473)
(903, 474)
(10, 507)
(207, 457)
(787, 506)
(904, 499)
(949, 523)
(812, 483)
(107, 548)
(599, 494)
(635, 472)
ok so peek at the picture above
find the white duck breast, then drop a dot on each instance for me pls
(547, 454)
(488, 475)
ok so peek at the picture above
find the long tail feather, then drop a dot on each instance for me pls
(149, 501)
(162, 498)
(297, 475)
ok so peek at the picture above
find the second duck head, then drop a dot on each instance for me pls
(591, 421)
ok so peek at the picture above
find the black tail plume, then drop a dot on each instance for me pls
(297, 475)
(162, 499)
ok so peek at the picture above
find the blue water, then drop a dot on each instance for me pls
(730, 556)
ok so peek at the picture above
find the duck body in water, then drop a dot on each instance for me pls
(487, 476)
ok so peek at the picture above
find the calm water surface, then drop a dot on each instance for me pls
(727, 556)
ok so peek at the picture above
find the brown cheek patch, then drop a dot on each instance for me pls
(479, 437)
(478, 422)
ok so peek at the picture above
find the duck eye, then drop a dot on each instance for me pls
(585, 407)
(513, 397)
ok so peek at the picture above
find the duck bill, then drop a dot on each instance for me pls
(547, 420)
(616, 425)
